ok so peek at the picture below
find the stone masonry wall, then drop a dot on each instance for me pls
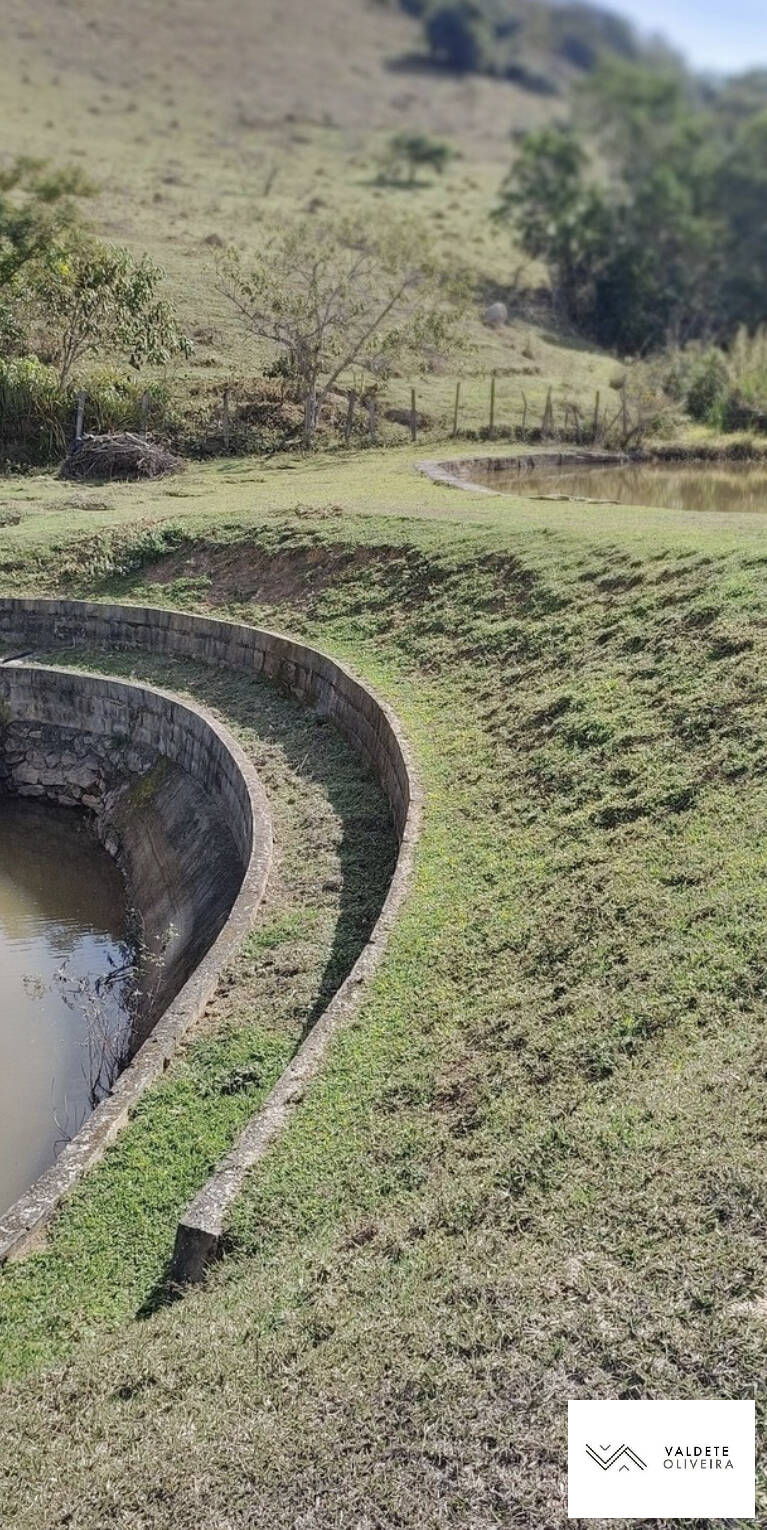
(159, 786)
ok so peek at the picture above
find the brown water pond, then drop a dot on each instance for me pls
(65, 984)
(709, 486)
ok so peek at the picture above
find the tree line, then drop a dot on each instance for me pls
(649, 208)
(505, 37)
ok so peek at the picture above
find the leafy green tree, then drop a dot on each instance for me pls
(408, 153)
(741, 97)
(630, 264)
(335, 295)
(37, 207)
(94, 298)
(560, 219)
(643, 115)
(457, 35)
(741, 195)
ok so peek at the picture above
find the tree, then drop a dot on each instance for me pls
(336, 295)
(455, 33)
(644, 116)
(96, 297)
(582, 33)
(560, 219)
(630, 264)
(411, 152)
(741, 193)
(37, 207)
(658, 273)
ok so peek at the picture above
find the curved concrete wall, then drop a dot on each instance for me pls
(309, 675)
(371, 729)
(159, 781)
(159, 777)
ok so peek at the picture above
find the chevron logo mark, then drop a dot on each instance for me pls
(620, 1457)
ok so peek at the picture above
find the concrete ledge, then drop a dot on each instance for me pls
(206, 775)
(371, 729)
(456, 472)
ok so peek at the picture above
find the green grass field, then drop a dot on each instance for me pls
(534, 1166)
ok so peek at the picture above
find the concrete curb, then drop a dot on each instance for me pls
(369, 726)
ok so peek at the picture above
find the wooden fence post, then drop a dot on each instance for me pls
(413, 417)
(457, 407)
(80, 417)
(492, 406)
(547, 423)
(350, 407)
(144, 417)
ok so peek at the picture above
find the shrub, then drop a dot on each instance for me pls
(37, 413)
(582, 33)
(456, 35)
(407, 153)
(709, 385)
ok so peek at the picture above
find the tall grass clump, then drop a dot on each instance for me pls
(727, 388)
(38, 413)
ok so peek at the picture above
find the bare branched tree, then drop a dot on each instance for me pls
(336, 295)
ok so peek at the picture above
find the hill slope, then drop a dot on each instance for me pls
(199, 124)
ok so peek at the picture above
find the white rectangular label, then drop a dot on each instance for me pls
(672, 1460)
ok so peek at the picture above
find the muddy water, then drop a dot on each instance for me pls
(701, 486)
(64, 1010)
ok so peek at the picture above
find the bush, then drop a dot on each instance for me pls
(531, 79)
(724, 389)
(407, 153)
(37, 413)
(578, 51)
(709, 386)
(455, 35)
(583, 33)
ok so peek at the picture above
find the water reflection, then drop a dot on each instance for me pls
(723, 487)
(64, 993)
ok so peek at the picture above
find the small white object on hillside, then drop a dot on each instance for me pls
(496, 315)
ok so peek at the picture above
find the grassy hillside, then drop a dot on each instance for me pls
(534, 1167)
(201, 123)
